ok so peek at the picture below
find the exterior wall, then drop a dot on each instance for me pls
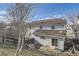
(77, 28)
(48, 42)
(61, 43)
(78, 35)
(78, 32)
(44, 42)
(30, 31)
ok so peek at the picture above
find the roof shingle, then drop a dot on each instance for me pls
(48, 22)
(51, 33)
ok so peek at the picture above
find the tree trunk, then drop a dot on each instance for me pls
(18, 45)
(22, 44)
(73, 48)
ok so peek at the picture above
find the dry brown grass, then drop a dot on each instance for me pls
(7, 50)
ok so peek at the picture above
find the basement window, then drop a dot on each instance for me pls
(42, 37)
(54, 42)
(30, 27)
(40, 27)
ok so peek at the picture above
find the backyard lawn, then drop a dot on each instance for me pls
(7, 50)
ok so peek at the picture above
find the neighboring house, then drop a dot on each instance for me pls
(78, 32)
(77, 28)
(50, 32)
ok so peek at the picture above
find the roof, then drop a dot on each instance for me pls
(48, 22)
(50, 33)
(15, 23)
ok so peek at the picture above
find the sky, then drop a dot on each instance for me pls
(47, 10)
(53, 10)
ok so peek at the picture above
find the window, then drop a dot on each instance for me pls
(42, 37)
(40, 27)
(60, 27)
(54, 42)
(30, 27)
(32, 40)
(52, 27)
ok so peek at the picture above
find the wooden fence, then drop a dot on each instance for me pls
(8, 39)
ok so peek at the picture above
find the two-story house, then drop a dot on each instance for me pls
(50, 32)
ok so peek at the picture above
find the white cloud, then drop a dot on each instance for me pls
(2, 18)
(57, 16)
(3, 12)
(35, 17)
(52, 17)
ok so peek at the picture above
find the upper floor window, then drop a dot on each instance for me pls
(52, 27)
(59, 27)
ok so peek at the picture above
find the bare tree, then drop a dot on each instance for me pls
(73, 19)
(19, 13)
(2, 26)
